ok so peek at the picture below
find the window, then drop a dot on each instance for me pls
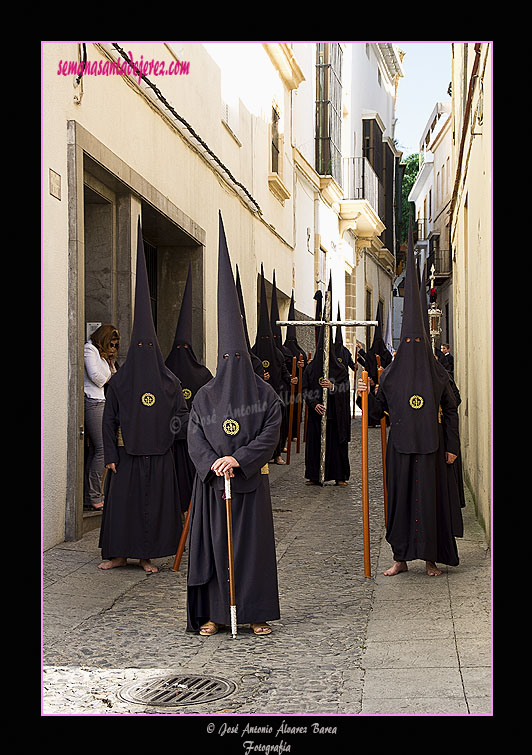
(275, 139)
(329, 110)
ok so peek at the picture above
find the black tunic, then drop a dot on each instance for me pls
(338, 432)
(142, 512)
(235, 414)
(141, 516)
(424, 497)
(253, 536)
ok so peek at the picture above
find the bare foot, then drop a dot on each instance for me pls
(397, 568)
(279, 460)
(112, 563)
(148, 566)
(432, 569)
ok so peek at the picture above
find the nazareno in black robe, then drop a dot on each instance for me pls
(272, 360)
(237, 414)
(338, 433)
(255, 361)
(292, 346)
(424, 502)
(144, 409)
(192, 375)
(287, 358)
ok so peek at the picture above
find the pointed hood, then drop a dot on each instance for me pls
(378, 348)
(318, 310)
(231, 406)
(274, 316)
(343, 354)
(337, 369)
(414, 382)
(181, 360)
(264, 346)
(147, 391)
(291, 338)
(257, 364)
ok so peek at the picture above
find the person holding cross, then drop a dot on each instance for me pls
(424, 508)
(338, 417)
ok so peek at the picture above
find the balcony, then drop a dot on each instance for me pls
(441, 259)
(362, 208)
(361, 182)
(421, 230)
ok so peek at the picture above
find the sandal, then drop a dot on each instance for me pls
(341, 482)
(93, 506)
(261, 628)
(208, 628)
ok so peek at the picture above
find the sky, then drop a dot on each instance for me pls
(427, 75)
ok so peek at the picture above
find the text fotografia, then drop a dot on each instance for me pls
(123, 68)
(250, 746)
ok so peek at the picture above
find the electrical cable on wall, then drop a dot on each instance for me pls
(187, 125)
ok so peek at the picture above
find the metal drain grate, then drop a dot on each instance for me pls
(177, 690)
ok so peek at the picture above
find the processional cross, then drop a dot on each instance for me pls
(328, 324)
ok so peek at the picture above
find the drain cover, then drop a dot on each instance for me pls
(177, 690)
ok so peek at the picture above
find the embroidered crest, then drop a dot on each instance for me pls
(416, 402)
(148, 399)
(187, 393)
(265, 363)
(231, 427)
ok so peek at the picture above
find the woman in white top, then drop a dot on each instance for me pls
(100, 354)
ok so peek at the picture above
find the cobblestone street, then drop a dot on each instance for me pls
(103, 631)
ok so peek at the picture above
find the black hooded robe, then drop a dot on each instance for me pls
(192, 375)
(255, 565)
(424, 508)
(338, 433)
(141, 517)
(237, 414)
(144, 409)
(424, 505)
(295, 350)
(273, 362)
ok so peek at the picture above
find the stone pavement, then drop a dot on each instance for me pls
(345, 645)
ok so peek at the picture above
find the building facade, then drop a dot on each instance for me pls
(471, 244)
(431, 194)
(292, 142)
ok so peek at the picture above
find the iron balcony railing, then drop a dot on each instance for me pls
(361, 182)
(441, 259)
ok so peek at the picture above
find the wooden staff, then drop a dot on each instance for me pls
(380, 370)
(355, 383)
(291, 411)
(182, 540)
(232, 601)
(306, 410)
(365, 487)
(299, 397)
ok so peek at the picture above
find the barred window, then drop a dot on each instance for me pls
(329, 110)
(275, 139)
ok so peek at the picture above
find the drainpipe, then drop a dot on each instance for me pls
(465, 126)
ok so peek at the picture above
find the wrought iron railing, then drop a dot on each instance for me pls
(361, 182)
(441, 259)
